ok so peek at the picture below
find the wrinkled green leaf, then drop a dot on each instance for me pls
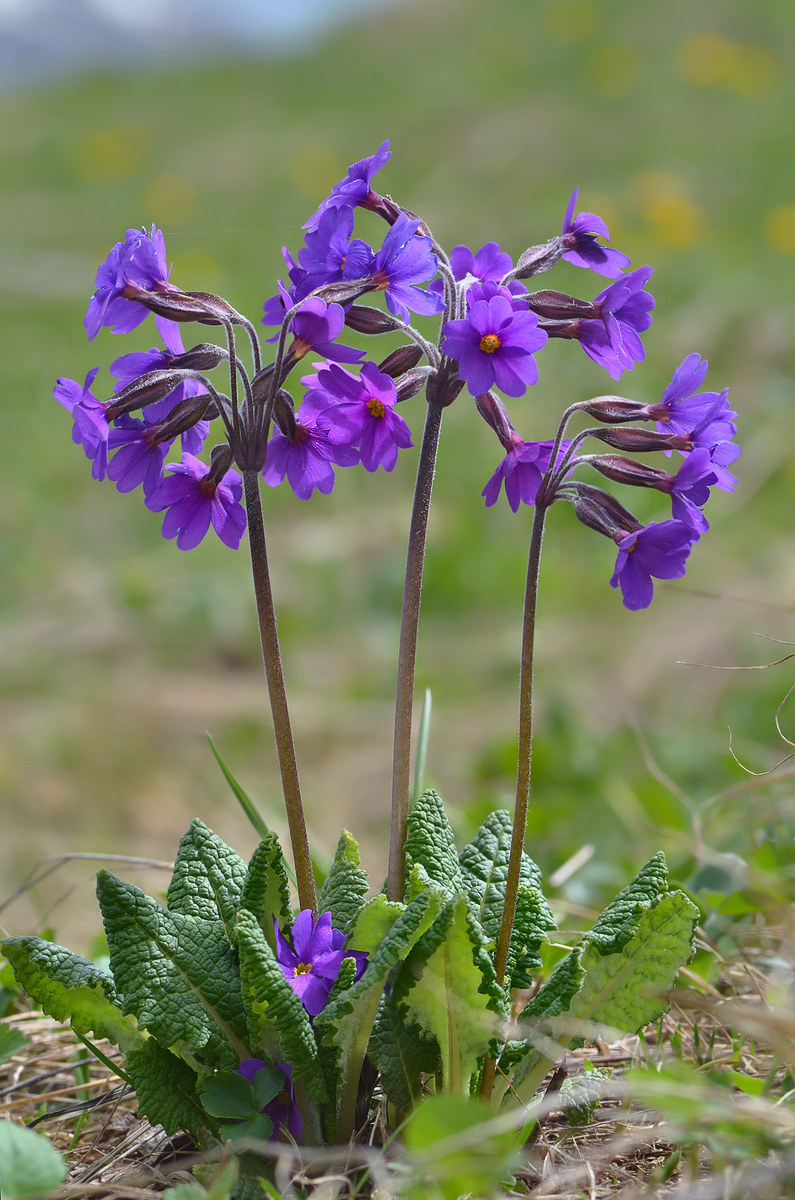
(71, 988)
(345, 886)
(403, 1054)
(165, 1087)
(430, 843)
(177, 973)
(373, 922)
(228, 1094)
(266, 891)
(208, 878)
(618, 922)
(29, 1165)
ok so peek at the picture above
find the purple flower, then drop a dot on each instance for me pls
(90, 429)
(657, 551)
(494, 344)
(689, 489)
(194, 500)
(130, 367)
(312, 963)
(330, 255)
(273, 310)
(138, 458)
(579, 235)
(354, 188)
(282, 1109)
(360, 412)
(405, 260)
(306, 458)
(489, 263)
(624, 307)
(681, 405)
(138, 263)
(316, 326)
(515, 292)
(714, 432)
(522, 470)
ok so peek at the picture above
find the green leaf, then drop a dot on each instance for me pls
(242, 797)
(177, 973)
(484, 874)
(29, 1164)
(623, 990)
(344, 1025)
(580, 1095)
(71, 988)
(219, 1187)
(11, 1042)
(618, 922)
(259, 1126)
(165, 1088)
(227, 1094)
(449, 988)
(403, 1054)
(373, 922)
(345, 886)
(272, 1005)
(208, 878)
(430, 842)
(457, 1147)
(266, 892)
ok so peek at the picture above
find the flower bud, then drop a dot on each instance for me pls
(630, 471)
(220, 462)
(400, 360)
(601, 511)
(370, 320)
(614, 410)
(536, 260)
(390, 210)
(204, 357)
(411, 382)
(284, 413)
(444, 385)
(558, 306)
(495, 414)
(203, 307)
(183, 416)
(346, 290)
(637, 440)
(261, 384)
(146, 389)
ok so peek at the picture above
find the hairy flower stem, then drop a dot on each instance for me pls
(407, 654)
(524, 762)
(285, 747)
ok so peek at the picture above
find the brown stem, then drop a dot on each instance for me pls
(407, 654)
(269, 639)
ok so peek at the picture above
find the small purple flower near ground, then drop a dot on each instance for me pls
(361, 412)
(90, 429)
(495, 344)
(137, 263)
(624, 307)
(282, 1110)
(657, 551)
(579, 236)
(194, 501)
(521, 471)
(354, 187)
(312, 963)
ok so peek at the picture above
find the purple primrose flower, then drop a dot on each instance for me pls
(681, 405)
(657, 551)
(130, 367)
(194, 500)
(282, 1109)
(312, 963)
(488, 263)
(316, 326)
(579, 235)
(138, 458)
(306, 459)
(495, 344)
(134, 265)
(354, 188)
(90, 429)
(625, 308)
(330, 254)
(689, 489)
(522, 470)
(360, 412)
(405, 260)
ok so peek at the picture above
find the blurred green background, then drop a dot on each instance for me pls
(119, 652)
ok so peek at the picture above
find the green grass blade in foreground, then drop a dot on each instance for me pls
(422, 747)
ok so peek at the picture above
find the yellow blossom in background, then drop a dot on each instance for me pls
(169, 199)
(105, 155)
(779, 228)
(662, 200)
(614, 71)
(314, 170)
(712, 60)
(570, 21)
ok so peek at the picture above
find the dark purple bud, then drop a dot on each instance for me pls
(638, 440)
(614, 410)
(411, 382)
(601, 511)
(284, 413)
(445, 385)
(495, 414)
(203, 307)
(147, 389)
(370, 320)
(558, 329)
(390, 210)
(536, 260)
(204, 357)
(183, 416)
(346, 290)
(220, 462)
(400, 360)
(262, 383)
(557, 306)
(628, 470)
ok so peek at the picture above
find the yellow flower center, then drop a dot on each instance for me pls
(375, 407)
(302, 969)
(489, 343)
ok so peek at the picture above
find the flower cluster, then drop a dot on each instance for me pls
(490, 330)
